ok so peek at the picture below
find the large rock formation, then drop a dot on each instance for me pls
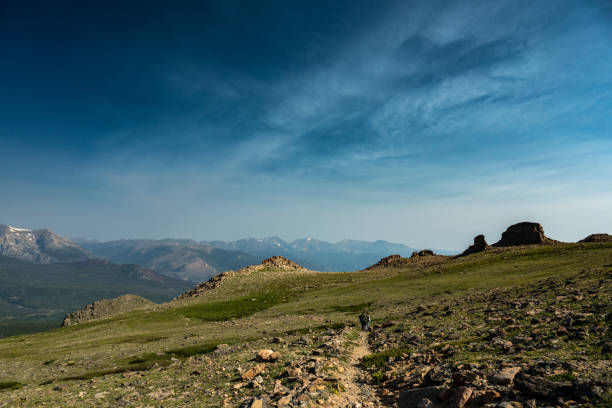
(106, 308)
(41, 246)
(524, 233)
(597, 238)
(480, 244)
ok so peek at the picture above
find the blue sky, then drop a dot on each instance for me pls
(422, 122)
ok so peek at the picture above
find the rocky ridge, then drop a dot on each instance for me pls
(425, 257)
(105, 308)
(597, 238)
(274, 262)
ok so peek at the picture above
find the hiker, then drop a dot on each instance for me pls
(364, 321)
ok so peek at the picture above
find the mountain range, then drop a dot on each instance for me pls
(178, 258)
(197, 261)
(346, 255)
(43, 276)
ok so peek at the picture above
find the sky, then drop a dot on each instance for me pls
(420, 122)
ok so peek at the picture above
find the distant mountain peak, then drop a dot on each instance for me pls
(41, 246)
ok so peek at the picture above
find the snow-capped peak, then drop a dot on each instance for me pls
(14, 229)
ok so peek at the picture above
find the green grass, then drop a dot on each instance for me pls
(562, 377)
(378, 377)
(231, 309)
(357, 308)
(10, 385)
(286, 304)
(194, 350)
(380, 359)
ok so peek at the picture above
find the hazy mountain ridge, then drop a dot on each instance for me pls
(178, 258)
(316, 254)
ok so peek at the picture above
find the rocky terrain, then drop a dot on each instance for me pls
(510, 326)
(537, 345)
(105, 308)
(41, 246)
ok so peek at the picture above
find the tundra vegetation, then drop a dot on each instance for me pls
(508, 326)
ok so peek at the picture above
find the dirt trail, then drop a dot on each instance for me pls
(357, 393)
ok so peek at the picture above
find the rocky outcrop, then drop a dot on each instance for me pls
(40, 246)
(597, 238)
(280, 262)
(480, 244)
(274, 262)
(424, 257)
(105, 308)
(524, 233)
(425, 252)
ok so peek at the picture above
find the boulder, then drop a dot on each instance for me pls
(253, 372)
(505, 376)
(264, 355)
(461, 396)
(597, 238)
(540, 387)
(523, 233)
(479, 245)
(412, 398)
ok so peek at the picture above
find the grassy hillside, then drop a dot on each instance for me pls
(35, 292)
(138, 355)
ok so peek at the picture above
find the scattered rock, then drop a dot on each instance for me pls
(254, 371)
(541, 387)
(464, 377)
(505, 376)
(264, 355)
(485, 397)
(412, 398)
(461, 396)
